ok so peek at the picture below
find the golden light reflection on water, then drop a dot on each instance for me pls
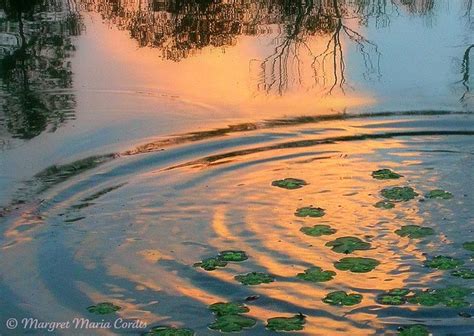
(222, 81)
(181, 211)
(247, 213)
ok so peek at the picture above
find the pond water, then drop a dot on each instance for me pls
(140, 137)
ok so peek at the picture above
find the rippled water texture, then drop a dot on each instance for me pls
(143, 137)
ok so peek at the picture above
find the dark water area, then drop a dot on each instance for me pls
(141, 137)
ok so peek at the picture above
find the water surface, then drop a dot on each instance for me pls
(140, 137)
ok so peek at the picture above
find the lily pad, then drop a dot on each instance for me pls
(469, 246)
(393, 297)
(228, 308)
(399, 194)
(254, 278)
(210, 264)
(443, 263)
(385, 174)
(316, 274)
(318, 230)
(392, 300)
(399, 291)
(170, 331)
(452, 296)
(438, 193)
(425, 298)
(356, 264)
(103, 308)
(384, 205)
(289, 183)
(414, 330)
(341, 298)
(348, 245)
(234, 256)
(232, 323)
(310, 212)
(463, 273)
(414, 231)
(286, 323)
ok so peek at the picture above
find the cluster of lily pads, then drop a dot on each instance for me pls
(452, 296)
(231, 316)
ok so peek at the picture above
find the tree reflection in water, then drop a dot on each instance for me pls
(35, 72)
(310, 40)
(181, 27)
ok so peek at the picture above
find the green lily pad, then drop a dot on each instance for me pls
(286, 323)
(452, 296)
(316, 274)
(356, 265)
(384, 205)
(348, 245)
(443, 263)
(232, 323)
(468, 246)
(170, 331)
(289, 183)
(385, 174)
(399, 194)
(210, 264)
(318, 230)
(438, 193)
(394, 297)
(103, 308)
(425, 298)
(414, 231)
(310, 212)
(341, 298)
(399, 291)
(254, 278)
(457, 303)
(414, 330)
(234, 256)
(453, 292)
(463, 273)
(228, 308)
(392, 300)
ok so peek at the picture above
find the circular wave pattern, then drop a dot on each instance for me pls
(128, 228)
